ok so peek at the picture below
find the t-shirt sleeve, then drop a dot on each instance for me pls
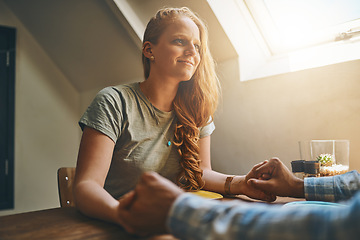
(104, 114)
(208, 129)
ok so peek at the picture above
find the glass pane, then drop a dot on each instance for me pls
(304, 23)
(307, 16)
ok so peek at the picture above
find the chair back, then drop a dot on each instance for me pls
(66, 177)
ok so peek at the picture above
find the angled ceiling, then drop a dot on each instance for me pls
(95, 43)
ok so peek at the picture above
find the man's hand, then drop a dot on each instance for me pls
(281, 181)
(144, 210)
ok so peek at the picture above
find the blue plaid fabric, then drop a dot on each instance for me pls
(193, 217)
(332, 189)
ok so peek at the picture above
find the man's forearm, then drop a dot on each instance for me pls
(192, 217)
(332, 189)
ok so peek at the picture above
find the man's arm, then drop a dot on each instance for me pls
(158, 206)
(194, 218)
(332, 189)
(283, 183)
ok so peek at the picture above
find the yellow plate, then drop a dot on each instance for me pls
(207, 194)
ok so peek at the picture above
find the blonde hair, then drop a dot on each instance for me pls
(196, 99)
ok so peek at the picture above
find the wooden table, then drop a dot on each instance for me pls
(61, 223)
(68, 223)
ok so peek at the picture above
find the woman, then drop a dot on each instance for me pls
(162, 124)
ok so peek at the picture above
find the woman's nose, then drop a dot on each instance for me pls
(191, 50)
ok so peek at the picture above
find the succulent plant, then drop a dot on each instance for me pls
(326, 159)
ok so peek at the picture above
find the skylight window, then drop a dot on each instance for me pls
(289, 25)
(274, 37)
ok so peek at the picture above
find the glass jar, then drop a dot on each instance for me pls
(333, 155)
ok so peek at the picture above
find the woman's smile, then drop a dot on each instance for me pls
(186, 62)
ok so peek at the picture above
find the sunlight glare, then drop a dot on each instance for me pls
(303, 22)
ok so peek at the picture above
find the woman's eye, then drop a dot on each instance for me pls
(179, 41)
(197, 47)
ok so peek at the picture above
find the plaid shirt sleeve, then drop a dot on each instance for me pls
(193, 217)
(332, 189)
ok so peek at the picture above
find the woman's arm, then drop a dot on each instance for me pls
(93, 163)
(215, 181)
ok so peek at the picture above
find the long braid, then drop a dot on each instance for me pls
(187, 141)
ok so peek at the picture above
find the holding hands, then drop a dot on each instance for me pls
(252, 191)
(274, 177)
(144, 210)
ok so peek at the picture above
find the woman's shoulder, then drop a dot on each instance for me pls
(123, 90)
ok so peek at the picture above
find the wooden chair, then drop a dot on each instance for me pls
(66, 177)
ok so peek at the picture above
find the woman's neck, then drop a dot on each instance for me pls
(160, 93)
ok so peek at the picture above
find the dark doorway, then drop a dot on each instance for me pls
(7, 106)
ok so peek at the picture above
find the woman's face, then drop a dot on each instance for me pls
(177, 51)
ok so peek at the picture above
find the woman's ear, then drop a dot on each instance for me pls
(147, 49)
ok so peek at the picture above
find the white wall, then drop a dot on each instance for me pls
(263, 118)
(46, 115)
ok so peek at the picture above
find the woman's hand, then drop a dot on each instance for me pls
(239, 185)
(214, 181)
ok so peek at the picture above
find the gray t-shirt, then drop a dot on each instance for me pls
(140, 132)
